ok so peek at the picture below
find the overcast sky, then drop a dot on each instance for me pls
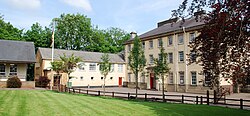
(131, 15)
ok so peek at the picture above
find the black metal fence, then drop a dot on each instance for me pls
(240, 103)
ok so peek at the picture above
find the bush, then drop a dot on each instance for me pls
(43, 81)
(14, 82)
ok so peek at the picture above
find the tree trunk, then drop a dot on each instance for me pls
(104, 84)
(217, 87)
(163, 95)
(136, 84)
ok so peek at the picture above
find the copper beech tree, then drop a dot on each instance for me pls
(222, 46)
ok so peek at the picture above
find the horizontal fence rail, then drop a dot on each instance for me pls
(240, 103)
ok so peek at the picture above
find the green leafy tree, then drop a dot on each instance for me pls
(69, 63)
(57, 66)
(161, 68)
(72, 31)
(9, 32)
(105, 68)
(137, 60)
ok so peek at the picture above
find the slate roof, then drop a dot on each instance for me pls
(17, 51)
(171, 27)
(85, 55)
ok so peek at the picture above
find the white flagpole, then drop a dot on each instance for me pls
(52, 56)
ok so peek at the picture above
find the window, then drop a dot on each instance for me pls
(151, 44)
(13, 69)
(112, 67)
(181, 56)
(101, 78)
(170, 40)
(191, 37)
(180, 39)
(2, 69)
(92, 67)
(120, 67)
(194, 79)
(111, 78)
(129, 48)
(171, 78)
(181, 74)
(129, 77)
(160, 42)
(159, 57)
(170, 57)
(92, 78)
(208, 77)
(143, 45)
(193, 56)
(151, 59)
(81, 78)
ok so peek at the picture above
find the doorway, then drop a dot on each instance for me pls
(120, 81)
(57, 79)
(152, 81)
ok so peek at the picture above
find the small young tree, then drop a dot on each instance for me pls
(69, 63)
(161, 68)
(105, 68)
(58, 67)
(137, 60)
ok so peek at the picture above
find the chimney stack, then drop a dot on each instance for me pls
(133, 34)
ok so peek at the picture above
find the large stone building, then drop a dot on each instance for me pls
(87, 74)
(175, 36)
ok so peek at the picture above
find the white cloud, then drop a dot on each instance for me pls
(84, 4)
(24, 4)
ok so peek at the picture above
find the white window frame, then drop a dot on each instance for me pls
(81, 66)
(112, 68)
(151, 44)
(181, 56)
(92, 67)
(3, 72)
(193, 78)
(14, 66)
(192, 37)
(151, 59)
(170, 38)
(169, 59)
(182, 77)
(120, 68)
(160, 41)
(171, 77)
(143, 44)
(180, 39)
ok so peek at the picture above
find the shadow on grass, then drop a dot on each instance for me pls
(174, 109)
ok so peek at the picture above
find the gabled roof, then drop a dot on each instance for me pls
(85, 55)
(171, 27)
(17, 51)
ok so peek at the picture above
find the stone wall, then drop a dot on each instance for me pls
(141, 85)
(25, 84)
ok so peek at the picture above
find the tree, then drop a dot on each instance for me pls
(69, 63)
(105, 68)
(161, 68)
(223, 44)
(73, 31)
(137, 60)
(9, 32)
(57, 66)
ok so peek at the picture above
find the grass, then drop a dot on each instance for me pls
(48, 103)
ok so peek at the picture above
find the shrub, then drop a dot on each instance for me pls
(43, 81)
(14, 82)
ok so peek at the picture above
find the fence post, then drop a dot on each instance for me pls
(182, 98)
(215, 97)
(207, 97)
(197, 100)
(99, 93)
(74, 90)
(145, 96)
(113, 94)
(79, 91)
(128, 95)
(201, 100)
(87, 92)
(241, 103)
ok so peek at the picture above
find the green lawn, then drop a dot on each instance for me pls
(47, 103)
